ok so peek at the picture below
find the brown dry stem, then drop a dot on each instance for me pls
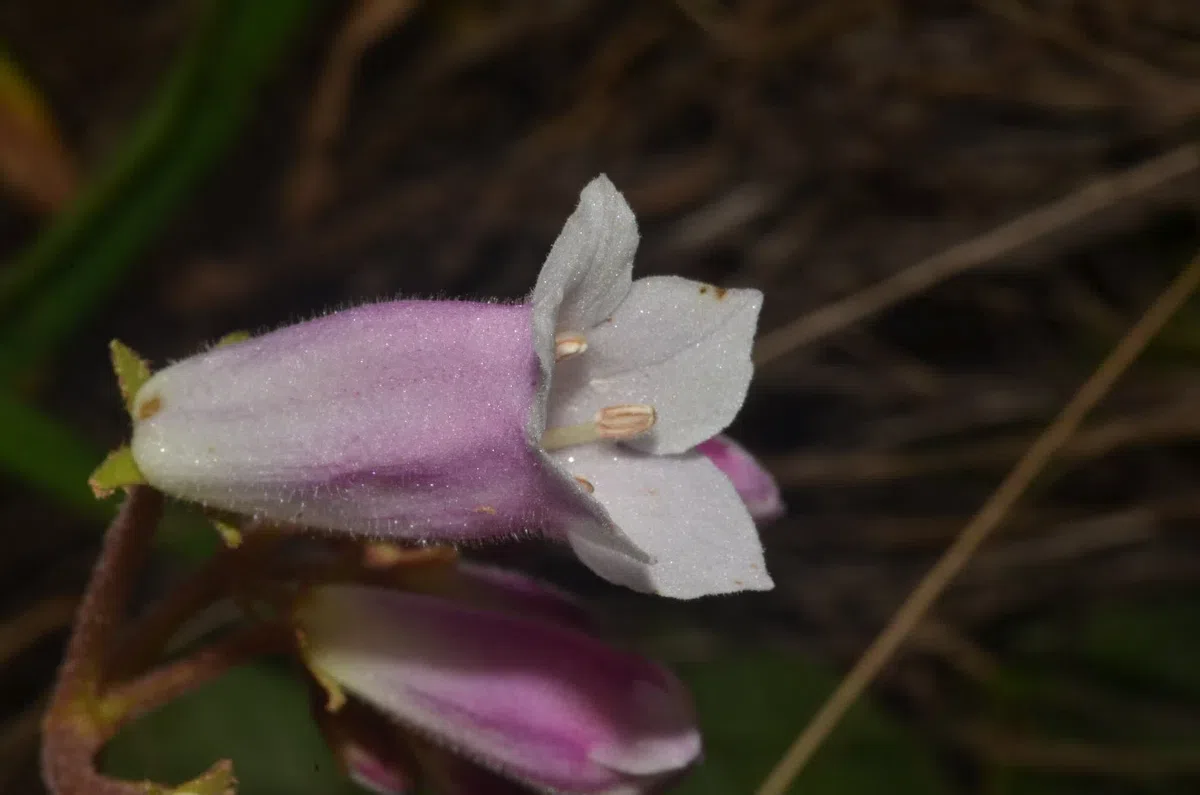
(977, 530)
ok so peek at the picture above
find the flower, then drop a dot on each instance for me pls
(754, 484)
(488, 697)
(574, 413)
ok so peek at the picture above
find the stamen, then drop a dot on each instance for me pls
(568, 344)
(614, 422)
(587, 484)
(625, 421)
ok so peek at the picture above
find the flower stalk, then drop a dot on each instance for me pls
(93, 696)
(83, 713)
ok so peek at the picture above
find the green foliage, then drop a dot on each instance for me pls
(84, 257)
(752, 706)
(256, 715)
(89, 250)
(55, 462)
(1122, 680)
(42, 453)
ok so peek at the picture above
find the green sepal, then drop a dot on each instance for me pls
(229, 533)
(131, 370)
(116, 471)
(232, 337)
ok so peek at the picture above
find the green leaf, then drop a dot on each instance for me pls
(39, 451)
(751, 708)
(257, 716)
(1122, 680)
(82, 259)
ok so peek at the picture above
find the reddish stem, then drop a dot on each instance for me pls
(145, 639)
(122, 556)
(70, 745)
(162, 685)
(71, 732)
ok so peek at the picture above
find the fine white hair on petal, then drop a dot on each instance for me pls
(675, 344)
(681, 510)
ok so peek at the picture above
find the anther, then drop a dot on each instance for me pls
(568, 344)
(614, 423)
(586, 484)
(625, 421)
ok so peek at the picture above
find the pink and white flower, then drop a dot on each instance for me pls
(575, 413)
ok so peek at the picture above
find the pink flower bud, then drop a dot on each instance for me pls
(535, 702)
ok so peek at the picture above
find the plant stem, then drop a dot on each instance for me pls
(71, 732)
(126, 702)
(124, 552)
(145, 639)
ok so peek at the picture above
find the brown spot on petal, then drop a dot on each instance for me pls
(586, 484)
(721, 293)
(149, 407)
(489, 510)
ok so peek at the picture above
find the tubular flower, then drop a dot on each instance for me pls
(497, 698)
(574, 413)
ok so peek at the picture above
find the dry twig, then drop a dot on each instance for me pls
(993, 512)
(999, 242)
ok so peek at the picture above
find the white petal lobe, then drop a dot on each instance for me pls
(678, 345)
(681, 510)
(589, 269)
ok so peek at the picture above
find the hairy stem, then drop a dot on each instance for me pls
(129, 701)
(144, 640)
(70, 746)
(71, 729)
(124, 552)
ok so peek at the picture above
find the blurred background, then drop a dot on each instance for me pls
(1018, 174)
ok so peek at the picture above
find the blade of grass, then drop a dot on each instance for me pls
(53, 461)
(48, 457)
(84, 257)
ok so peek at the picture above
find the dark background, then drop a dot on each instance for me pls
(193, 168)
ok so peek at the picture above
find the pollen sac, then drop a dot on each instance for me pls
(625, 422)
